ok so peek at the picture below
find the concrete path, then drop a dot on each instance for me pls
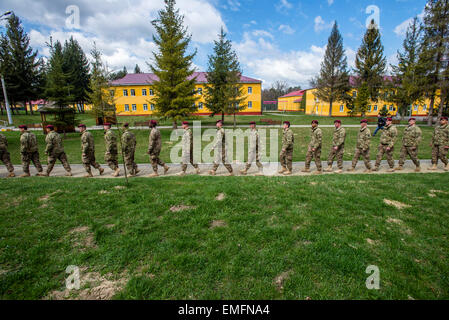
(78, 170)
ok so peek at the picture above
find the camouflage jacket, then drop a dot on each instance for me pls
(155, 143)
(221, 139)
(317, 138)
(441, 136)
(87, 143)
(364, 139)
(254, 141)
(288, 139)
(339, 137)
(54, 143)
(110, 141)
(389, 135)
(187, 138)
(28, 142)
(412, 136)
(3, 143)
(129, 141)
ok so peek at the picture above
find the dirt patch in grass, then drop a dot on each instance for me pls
(218, 224)
(119, 187)
(103, 192)
(396, 221)
(396, 204)
(181, 208)
(82, 239)
(110, 226)
(220, 197)
(433, 193)
(280, 279)
(372, 242)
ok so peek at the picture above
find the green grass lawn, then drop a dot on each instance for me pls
(279, 238)
(302, 137)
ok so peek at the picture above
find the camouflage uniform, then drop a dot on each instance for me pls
(315, 143)
(286, 156)
(410, 142)
(187, 150)
(111, 153)
(55, 151)
(363, 148)
(154, 150)
(88, 150)
(387, 140)
(129, 143)
(29, 151)
(220, 151)
(440, 140)
(338, 141)
(254, 149)
(4, 154)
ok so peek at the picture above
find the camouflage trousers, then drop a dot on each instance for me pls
(155, 161)
(286, 159)
(439, 152)
(339, 153)
(111, 160)
(408, 151)
(253, 156)
(131, 165)
(383, 151)
(188, 159)
(88, 161)
(61, 157)
(314, 155)
(6, 159)
(27, 157)
(222, 159)
(364, 154)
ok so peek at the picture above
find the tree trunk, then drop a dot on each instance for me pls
(442, 103)
(25, 105)
(31, 107)
(430, 117)
(175, 124)
(222, 117)
(235, 123)
(330, 107)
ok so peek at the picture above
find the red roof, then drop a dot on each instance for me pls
(270, 102)
(298, 93)
(41, 101)
(149, 78)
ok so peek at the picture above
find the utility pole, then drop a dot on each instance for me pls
(8, 109)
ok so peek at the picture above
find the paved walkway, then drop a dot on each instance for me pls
(78, 170)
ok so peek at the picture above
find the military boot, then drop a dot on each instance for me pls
(433, 167)
(259, 173)
(11, 175)
(288, 173)
(25, 175)
(41, 174)
(400, 168)
(318, 172)
(153, 175)
(351, 169)
(166, 168)
(376, 169)
(307, 170)
(68, 174)
(88, 175)
(329, 169)
(418, 169)
(244, 172)
(339, 171)
(284, 169)
(212, 172)
(391, 170)
(197, 170)
(136, 171)
(181, 174)
(446, 168)
(116, 172)
(367, 171)
(101, 171)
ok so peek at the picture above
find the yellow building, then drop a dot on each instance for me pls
(134, 95)
(291, 101)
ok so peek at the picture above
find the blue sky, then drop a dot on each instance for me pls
(275, 40)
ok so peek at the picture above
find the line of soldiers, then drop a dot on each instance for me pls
(55, 150)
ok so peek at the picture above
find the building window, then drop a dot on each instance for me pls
(152, 107)
(416, 107)
(354, 94)
(112, 93)
(200, 105)
(250, 90)
(424, 107)
(133, 92)
(145, 107)
(369, 108)
(126, 107)
(375, 108)
(151, 92)
(134, 107)
(250, 104)
(144, 92)
(200, 91)
(342, 108)
(391, 108)
(125, 93)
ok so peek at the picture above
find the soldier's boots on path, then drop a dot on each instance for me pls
(260, 173)
(101, 171)
(418, 169)
(367, 171)
(399, 168)
(446, 168)
(69, 174)
(24, 175)
(351, 169)
(284, 169)
(391, 170)
(287, 173)
(198, 171)
(329, 169)
(306, 170)
(116, 173)
(166, 168)
(433, 167)
(318, 172)
(89, 175)
(212, 172)
(11, 175)
(339, 171)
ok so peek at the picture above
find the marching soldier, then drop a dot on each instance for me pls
(286, 156)
(362, 147)
(29, 151)
(386, 146)
(410, 142)
(187, 150)
(154, 149)
(5, 157)
(220, 151)
(88, 152)
(314, 151)
(129, 143)
(253, 151)
(338, 147)
(111, 152)
(55, 151)
(440, 144)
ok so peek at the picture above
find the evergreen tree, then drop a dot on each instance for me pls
(118, 75)
(224, 93)
(361, 102)
(175, 93)
(137, 69)
(333, 82)
(370, 63)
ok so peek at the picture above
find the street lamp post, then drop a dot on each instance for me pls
(8, 109)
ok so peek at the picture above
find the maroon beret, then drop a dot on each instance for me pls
(107, 124)
(364, 121)
(444, 118)
(126, 125)
(412, 119)
(185, 123)
(287, 122)
(82, 126)
(337, 121)
(153, 122)
(219, 121)
(315, 121)
(389, 119)
(51, 127)
(23, 127)
(252, 123)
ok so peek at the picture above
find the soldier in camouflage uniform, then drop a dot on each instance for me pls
(440, 144)
(220, 151)
(129, 143)
(253, 151)
(363, 147)
(314, 151)
(187, 150)
(338, 147)
(386, 146)
(286, 156)
(55, 151)
(410, 142)
(29, 151)
(5, 157)
(88, 152)
(111, 152)
(154, 149)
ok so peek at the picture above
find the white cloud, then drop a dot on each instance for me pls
(330, 2)
(283, 5)
(401, 29)
(286, 29)
(321, 25)
(234, 5)
(262, 33)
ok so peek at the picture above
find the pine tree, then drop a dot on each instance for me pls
(370, 63)
(118, 75)
(137, 69)
(361, 102)
(224, 93)
(333, 82)
(175, 93)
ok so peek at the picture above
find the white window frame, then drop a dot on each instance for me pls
(145, 107)
(134, 107)
(151, 92)
(369, 108)
(200, 106)
(144, 92)
(127, 107)
(250, 104)
(391, 108)
(342, 108)
(132, 91)
(125, 92)
(376, 108)
(152, 107)
(250, 90)
(424, 107)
